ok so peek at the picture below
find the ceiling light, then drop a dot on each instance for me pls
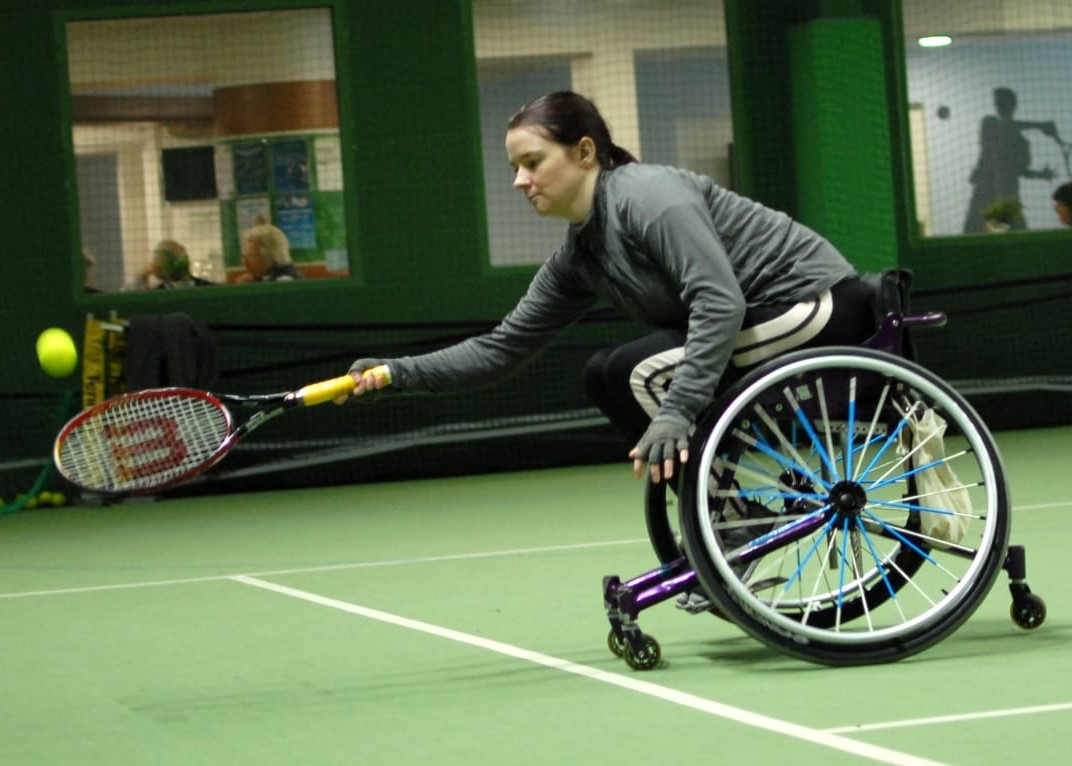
(935, 41)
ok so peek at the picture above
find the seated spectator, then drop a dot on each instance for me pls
(266, 256)
(169, 268)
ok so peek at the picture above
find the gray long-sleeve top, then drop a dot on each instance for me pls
(669, 248)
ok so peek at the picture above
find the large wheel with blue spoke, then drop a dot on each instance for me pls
(845, 506)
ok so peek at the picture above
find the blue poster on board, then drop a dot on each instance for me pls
(294, 215)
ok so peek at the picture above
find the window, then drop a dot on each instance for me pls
(990, 117)
(190, 130)
(656, 71)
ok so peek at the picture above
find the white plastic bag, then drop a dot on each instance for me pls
(938, 486)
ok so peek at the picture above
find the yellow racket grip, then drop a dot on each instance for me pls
(330, 390)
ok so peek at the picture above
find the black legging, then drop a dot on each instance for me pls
(627, 382)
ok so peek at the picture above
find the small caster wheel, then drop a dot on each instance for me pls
(615, 644)
(648, 656)
(1028, 611)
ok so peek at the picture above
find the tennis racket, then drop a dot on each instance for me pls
(146, 441)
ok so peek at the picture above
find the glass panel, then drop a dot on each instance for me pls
(207, 149)
(656, 71)
(990, 117)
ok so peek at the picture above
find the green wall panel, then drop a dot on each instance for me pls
(841, 141)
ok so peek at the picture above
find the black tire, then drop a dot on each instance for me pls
(811, 440)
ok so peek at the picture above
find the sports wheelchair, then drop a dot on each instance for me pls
(818, 515)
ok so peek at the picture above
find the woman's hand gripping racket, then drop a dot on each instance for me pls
(148, 440)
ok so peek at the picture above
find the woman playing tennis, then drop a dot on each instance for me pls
(724, 283)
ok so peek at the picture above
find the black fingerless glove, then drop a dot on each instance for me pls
(665, 439)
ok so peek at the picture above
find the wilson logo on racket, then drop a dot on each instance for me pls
(145, 447)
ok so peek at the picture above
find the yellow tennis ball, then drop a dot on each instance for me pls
(56, 352)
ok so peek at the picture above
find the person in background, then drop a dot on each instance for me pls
(169, 268)
(1062, 203)
(1004, 158)
(266, 256)
(89, 271)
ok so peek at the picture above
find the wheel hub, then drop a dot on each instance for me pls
(847, 499)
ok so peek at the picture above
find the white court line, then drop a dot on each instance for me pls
(774, 725)
(958, 718)
(1041, 506)
(328, 568)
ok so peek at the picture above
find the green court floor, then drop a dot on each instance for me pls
(460, 621)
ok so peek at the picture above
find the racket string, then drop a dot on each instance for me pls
(142, 442)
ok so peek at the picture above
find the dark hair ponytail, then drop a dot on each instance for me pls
(567, 117)
(619, 156)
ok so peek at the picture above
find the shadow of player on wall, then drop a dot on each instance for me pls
(1004, 158)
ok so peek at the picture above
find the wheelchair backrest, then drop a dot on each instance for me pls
(891, 292)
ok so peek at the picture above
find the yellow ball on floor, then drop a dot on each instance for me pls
(56, 352)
